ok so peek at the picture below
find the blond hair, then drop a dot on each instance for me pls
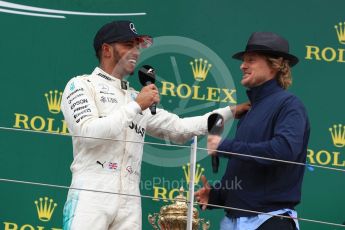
(284, 76)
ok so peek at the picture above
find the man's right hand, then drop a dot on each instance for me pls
(147, 96)
(202, 194)
(213, 142)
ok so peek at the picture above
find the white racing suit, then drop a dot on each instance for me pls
(98, 108)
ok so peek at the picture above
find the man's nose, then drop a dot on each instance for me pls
(243, 65)
(136, 51)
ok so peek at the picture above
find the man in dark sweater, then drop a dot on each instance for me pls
(276, 127)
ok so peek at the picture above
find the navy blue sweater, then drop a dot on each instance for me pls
(276, 126)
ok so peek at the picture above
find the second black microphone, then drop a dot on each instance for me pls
(147, 76)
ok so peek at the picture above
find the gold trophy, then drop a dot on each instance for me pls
(174, 216)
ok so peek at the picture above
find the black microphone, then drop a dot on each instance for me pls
(147, 76)
(215, 126)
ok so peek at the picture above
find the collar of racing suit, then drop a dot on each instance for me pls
(102, 74)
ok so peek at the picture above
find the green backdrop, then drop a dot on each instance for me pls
(42, 49)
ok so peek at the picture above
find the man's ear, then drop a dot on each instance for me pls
(106, 50)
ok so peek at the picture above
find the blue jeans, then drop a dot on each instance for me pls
(258, 222)
(226, 224)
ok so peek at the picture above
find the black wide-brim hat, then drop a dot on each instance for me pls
(120, 31)
(268, 43)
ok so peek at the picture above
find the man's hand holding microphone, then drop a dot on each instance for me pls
(149, 95)
(214, 138)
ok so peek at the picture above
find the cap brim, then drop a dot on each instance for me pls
(145, 41)
(293, 60)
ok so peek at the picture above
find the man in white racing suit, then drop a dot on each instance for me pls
(108, 121)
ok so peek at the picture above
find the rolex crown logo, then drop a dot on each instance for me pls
(338, 135)
(45, 209)
(200, 69)
(198, 173)
(54, 101)
(340, 28)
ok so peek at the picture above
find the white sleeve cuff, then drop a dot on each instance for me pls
(134, 106)
(225, 112)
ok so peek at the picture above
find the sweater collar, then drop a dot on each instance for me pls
(266, 89)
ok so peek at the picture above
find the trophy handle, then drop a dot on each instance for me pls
(152, 220)
(205, 224)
